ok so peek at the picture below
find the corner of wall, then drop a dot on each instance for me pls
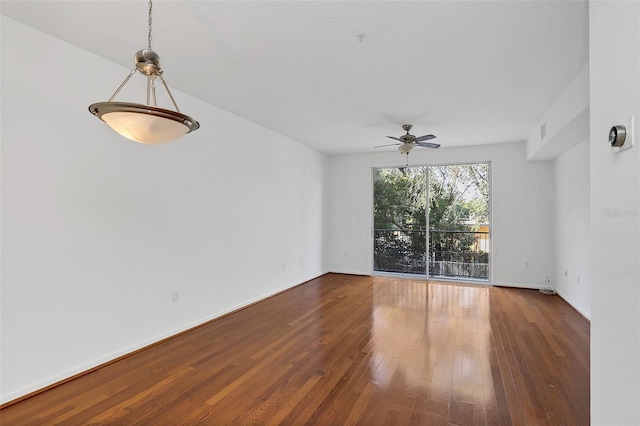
(565, 124)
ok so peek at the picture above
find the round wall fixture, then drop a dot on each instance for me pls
(617, 135)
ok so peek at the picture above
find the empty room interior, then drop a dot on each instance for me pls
(294, 240)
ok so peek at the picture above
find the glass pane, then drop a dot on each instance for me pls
(400, 238)
(459, 221)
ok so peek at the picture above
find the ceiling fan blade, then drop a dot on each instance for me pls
(393, 137)
(425, 138)
(428, 145)
(389, 144)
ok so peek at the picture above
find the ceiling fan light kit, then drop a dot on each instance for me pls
(406, 148)
(145, 123)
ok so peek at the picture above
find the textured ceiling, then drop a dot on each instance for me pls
(472, 72)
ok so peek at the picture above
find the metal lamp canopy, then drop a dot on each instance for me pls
(147, 124)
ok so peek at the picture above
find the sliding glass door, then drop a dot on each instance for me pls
(432, 220)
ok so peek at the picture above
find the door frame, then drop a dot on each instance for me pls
(489, 280)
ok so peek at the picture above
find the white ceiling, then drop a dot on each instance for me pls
(470, 72)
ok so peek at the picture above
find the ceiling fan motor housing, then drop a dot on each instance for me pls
(408, 138)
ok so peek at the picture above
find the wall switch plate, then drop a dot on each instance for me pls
(174, 296)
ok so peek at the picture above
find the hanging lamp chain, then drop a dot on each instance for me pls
(148, 63)
(150, 21)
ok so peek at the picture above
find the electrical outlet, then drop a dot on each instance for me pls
(174, 296)
(526, 264)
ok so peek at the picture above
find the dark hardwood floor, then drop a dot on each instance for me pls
(344, 349)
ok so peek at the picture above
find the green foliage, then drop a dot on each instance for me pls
(458, 197)
(457, 205)
(400, 199)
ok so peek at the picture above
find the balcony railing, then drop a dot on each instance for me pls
(451, 254)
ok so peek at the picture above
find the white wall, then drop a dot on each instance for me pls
(566, 121)
(572, 228)
(614, 29)
(97, 231)
(567, 144)
(522, 209)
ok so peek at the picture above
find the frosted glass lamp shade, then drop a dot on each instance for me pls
(143, 128)
(143, 123)
(406, 148)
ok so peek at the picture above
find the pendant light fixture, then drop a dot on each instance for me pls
(146, 124)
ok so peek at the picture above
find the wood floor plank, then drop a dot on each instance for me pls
(344, 349)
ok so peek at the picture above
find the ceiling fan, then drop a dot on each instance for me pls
(408, 142)
(411, 141)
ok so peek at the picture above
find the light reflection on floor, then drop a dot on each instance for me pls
(432, 340)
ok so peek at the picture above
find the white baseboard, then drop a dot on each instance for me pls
(560, 293)
(574, 305)
(349, 272)
(517, 285)
(33, 387)
(64, 375)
